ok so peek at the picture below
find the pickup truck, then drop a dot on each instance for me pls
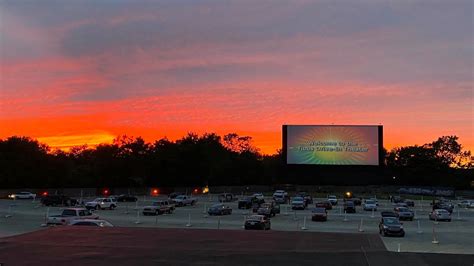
(183, 200)
(70, 214)
(158, 207)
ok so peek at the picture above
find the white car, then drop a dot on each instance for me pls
(279, 193)
(91, 222)
(22, 195)
(370, 205)
(332, 199)
(259, 196)
(466, 204)
(101, 203)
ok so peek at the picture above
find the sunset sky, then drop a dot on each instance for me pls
(77, 72)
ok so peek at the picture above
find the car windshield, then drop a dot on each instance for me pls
(403, 210)
(442, 211)
(297, 199)
(391, 221)
(331, 197)
(216, 206)
(255, 218)
(156, 203)
(180, 197)
(370, 202)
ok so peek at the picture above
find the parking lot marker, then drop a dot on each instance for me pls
(243, 225)
(304, 224)
(189, 220)
(419, 228)
(398, 250)
(373, 215)
(138, 217)
(435, 240)
(345, 216)
(459, 217)
(361, 229)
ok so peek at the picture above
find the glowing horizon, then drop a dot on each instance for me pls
(87, 71)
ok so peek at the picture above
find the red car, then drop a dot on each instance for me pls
(324, 204)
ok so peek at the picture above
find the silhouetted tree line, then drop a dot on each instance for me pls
(200, 160)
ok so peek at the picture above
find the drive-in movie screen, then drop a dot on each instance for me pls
(332, 145)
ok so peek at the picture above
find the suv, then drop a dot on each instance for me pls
(404, 213)
(306, 196)
(257, 222)
(280, 196)
(101, 203)
(332, 199)
(349, 207)
(298, 203)
(269, 209)
(54, 200)
(226, 197)
(246, 202)
(158, 207)
(391, 226)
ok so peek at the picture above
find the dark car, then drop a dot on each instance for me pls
(391, 226)
(349, 207)
(226, 197)
(389, 214)
(404, 213)
(58, 200)
(246, 202)
(410, 203)
(324, 204)
(219, 209)
(319, 214)
(443, 205)
(175, 194)
(258, 222)
(397, 199)
(269, 209)
(126, 198)
(305, 195)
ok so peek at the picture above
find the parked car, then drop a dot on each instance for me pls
(391, 226)
(259, 222)
(410, 203)
(91, 222)
(58, 200)
(332, 199)
(440, 215)
(397, 199)
(219, 209)
(370, 205)
(70, 214)
(183, 200)
(319, 214)
(389, 214)
(280, 196)
(269, 209)
(443, 205)
(400, 205)
(175, 194)
(404, 213)
(226, 197)
(349, 207)
(158, 207)
(246, 202)
(298, 203)
(101, 203)
(375, 200)
(260, 197)
(306, 196)
(126, 198)
(324, 204)
(466, 204)
(22, 195)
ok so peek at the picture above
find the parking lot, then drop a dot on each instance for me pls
(21, 216)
